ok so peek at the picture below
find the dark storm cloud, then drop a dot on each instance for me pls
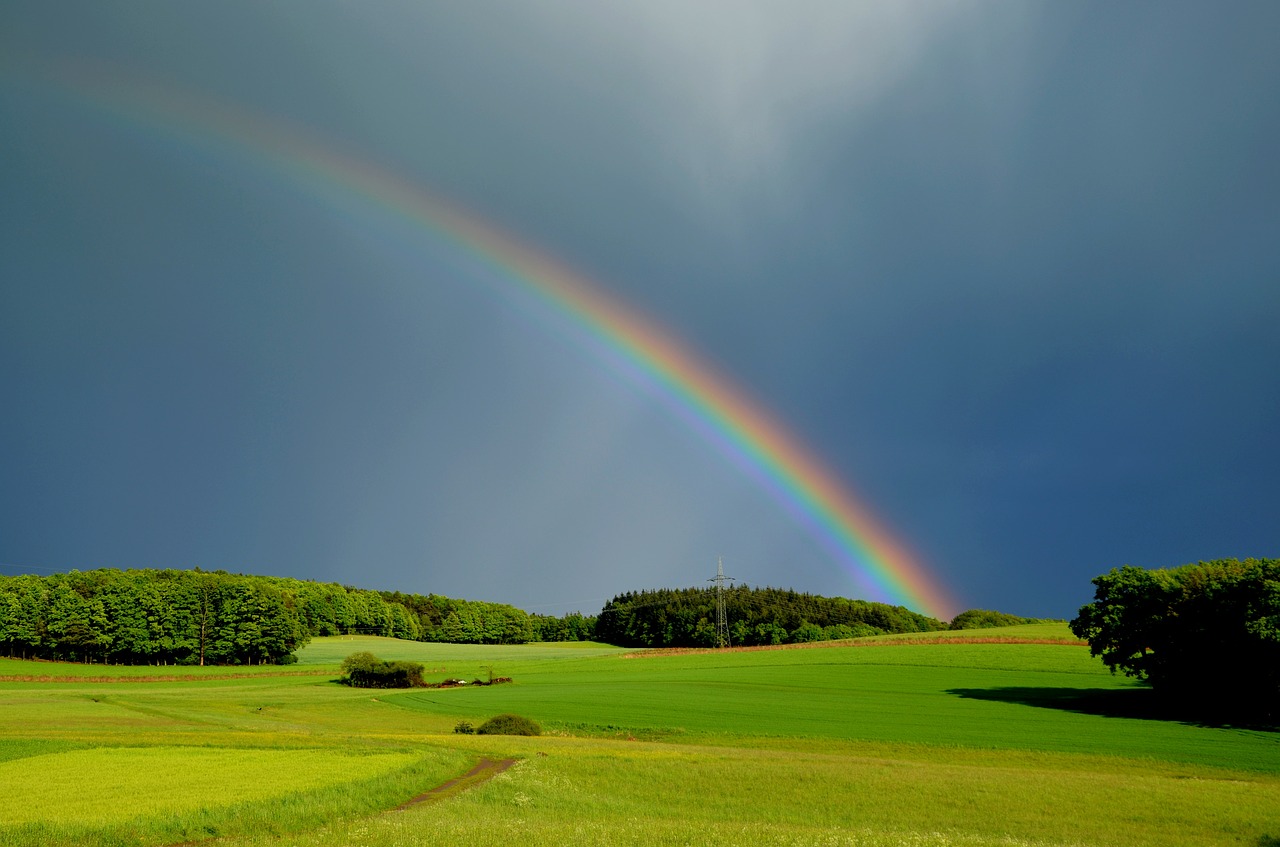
(1010, 270)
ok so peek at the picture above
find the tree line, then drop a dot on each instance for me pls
(149, 617)
(444, 619)
(195, 617)
(989, 619)
(755, 616)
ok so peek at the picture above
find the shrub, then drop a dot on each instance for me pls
(361, 661)
(365, 670)
(464, 728)
(508, 725)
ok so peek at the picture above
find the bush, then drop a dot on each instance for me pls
(508, 725)
(362, 661)
(464, 728)
(365, 670)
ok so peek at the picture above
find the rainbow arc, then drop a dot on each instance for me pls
(794, 476)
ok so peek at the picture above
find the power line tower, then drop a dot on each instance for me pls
(722, 619)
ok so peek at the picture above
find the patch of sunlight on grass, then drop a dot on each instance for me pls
(111, 785)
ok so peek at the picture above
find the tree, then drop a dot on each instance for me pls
(27, 602)
(770, 633)
(807, 632)
(404, 624)
(132, 640)
(1206, 636)
(76, 623)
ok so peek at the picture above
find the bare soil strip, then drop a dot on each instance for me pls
(485, 770)
(160, 678)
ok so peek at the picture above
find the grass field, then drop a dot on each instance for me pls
(174, 779)
(936, 741)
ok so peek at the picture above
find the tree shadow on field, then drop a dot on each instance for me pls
(1140, 703)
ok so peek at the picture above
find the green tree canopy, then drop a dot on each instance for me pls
(987, 619)
(1206, 635)
(686, 617)
(197, 617)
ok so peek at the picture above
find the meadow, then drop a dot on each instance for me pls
(931, 741)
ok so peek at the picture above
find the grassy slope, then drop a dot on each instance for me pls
(180, 779)
(947, 693)
(928, 744)
(329, 652)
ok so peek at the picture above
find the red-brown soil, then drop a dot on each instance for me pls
(169, 678)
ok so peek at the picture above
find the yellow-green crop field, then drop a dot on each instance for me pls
(925, 742)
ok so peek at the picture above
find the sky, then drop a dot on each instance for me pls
(1008, 273)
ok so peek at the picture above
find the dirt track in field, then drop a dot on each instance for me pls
(485, 770)
(158, 677)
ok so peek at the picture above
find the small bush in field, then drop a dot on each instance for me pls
(464, 728)
(365, 670)
(508, 725)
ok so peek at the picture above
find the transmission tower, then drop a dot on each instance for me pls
(722, 619)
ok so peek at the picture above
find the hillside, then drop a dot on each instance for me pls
(938, 742)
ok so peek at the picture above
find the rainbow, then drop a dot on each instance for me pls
(755, 440)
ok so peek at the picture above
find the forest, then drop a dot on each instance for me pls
(687, 618)
(195, 617)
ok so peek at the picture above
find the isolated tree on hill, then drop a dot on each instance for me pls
(1206, 635)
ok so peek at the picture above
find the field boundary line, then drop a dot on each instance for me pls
(656, 652)
(159, 678)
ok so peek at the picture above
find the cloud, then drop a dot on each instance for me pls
(733, 87)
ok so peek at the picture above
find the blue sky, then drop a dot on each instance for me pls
(1011, 270)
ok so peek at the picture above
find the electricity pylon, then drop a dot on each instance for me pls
(722, 619)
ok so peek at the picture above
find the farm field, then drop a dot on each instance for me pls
(936, 741)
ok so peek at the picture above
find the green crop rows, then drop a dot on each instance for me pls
(934, 743)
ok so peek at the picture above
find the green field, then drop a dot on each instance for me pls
(936, 741)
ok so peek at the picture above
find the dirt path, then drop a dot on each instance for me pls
(485, 770)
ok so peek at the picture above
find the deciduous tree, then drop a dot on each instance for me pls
(1206, 635)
